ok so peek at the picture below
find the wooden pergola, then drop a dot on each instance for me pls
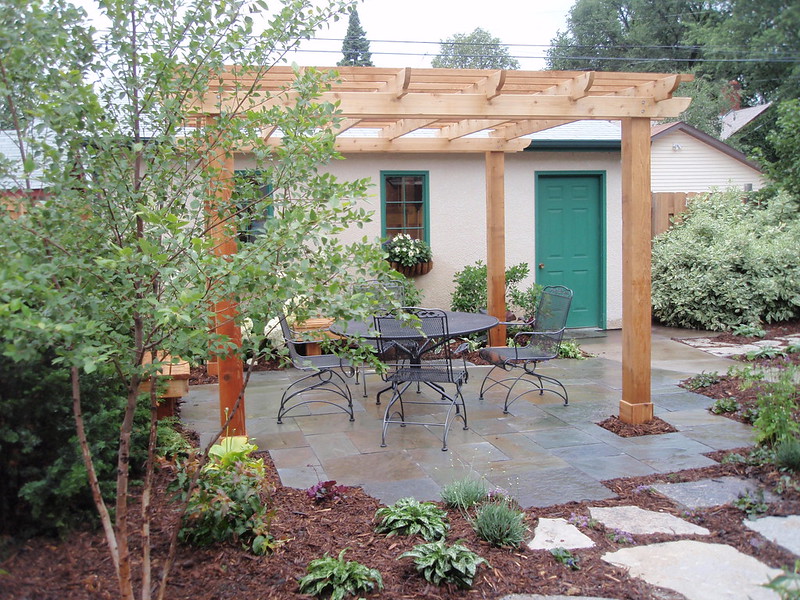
(488, 112)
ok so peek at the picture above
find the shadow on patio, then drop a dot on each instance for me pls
(542, 453)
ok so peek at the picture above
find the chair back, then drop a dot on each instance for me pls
(291, 341)
(375, 287)
(551, 317)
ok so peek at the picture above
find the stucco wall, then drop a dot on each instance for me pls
(457, 187)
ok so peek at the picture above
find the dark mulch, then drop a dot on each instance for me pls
(654, 426)
(774, 330)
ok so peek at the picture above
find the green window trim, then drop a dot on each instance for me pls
(405, 204)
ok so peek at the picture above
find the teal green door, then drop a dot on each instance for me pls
(570, 216)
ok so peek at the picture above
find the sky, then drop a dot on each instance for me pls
(407, 33)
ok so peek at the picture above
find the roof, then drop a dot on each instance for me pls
(665, 128)
(465, 110)
(735, 120)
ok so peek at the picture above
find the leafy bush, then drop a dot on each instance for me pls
(728, 262)
(464, 493)
(471, 293)
(500, 524)
(43, 483)
(764, 352)
(776, 422)
(170, 442)
(407, 516)
(570, 349)
(749, 330)
(335, 577)
(787, 454)
(231, 500)
(438, 563)
(725, 405)
(702, 380)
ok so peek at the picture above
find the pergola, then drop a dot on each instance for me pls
(488, 111)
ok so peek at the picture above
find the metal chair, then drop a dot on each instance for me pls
(380, 289)
(323, 376)
(545, 335)
(409, 343)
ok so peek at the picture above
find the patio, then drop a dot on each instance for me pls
(543, 453)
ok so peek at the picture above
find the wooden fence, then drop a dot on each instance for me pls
(666, 206)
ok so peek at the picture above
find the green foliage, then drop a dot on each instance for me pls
(764, 352)
(465, 493)
(407, 251)
(170, 442)
(752, 506)
(439, 563)
(777, 405)
(787, 454)
(749, 330)
(336, 578)
(724, 405)
(566, 558)
(618, 536)
(500, 524)
(355, 47)
(231, 502)
(787, 584)
(571, 349)
(728, 262)
(702, 380)
(43, 485)
(471, 295)
(407, 516)
(476, 50)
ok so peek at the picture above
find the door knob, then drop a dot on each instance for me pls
(541, 265)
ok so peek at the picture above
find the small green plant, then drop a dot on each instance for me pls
(749, 330)
(335, 577)
(500, 524)
(792, 349)
(765, 352)
(407, 516)
(463, 494)
(725, 405)
(439, 563)
(566, 558)
(787, 454)
(776, 407)
(786, 483)
(583, 521)
(620, 537)
(787, 584)
(570, 349)
(702, 380)
(752, 506)
(747, 374)
(171, 443)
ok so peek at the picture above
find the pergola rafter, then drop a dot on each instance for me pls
(489, 111)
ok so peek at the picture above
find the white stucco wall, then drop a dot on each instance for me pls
(682, 163)
(457, 195)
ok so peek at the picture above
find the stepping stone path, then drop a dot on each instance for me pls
(698, 570)
(726, 350)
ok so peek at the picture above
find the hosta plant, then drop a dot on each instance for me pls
(407, 516)
(439, 563)
(335, 578)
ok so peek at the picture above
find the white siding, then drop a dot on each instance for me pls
(682, 163)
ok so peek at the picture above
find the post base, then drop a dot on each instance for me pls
(635, 414)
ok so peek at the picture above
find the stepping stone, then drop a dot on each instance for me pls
(557, 533)
(540, 597)
(698, 570)
(638, 521)
(706, 493)
(784, 531)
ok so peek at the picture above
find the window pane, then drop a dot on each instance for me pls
(404, 205)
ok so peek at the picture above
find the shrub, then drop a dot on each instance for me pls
(500, 524)
(749, 330)
(439, 563)
(471, 293)
(725, 405)
(231, 500)
(464, 493)
(410, 517)
(335, 577)
(728, 262)
(787, 454)
(43, 484)
(776, 422)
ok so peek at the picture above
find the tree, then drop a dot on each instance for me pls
(476, 50)
(781, 158)
(121, 263)
(355, 47)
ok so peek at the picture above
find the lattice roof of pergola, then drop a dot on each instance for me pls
(464, 110)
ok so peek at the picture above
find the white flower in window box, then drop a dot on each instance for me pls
(408, 255)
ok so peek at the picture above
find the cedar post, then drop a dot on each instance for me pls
(636, 405)
(496, 244)
(231, 380)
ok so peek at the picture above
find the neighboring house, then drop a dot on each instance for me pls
(12, 179)
(735, 120)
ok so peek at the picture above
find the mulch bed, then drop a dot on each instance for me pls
(654, 426)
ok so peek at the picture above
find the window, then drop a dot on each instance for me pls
(248, 191)
(404, 198)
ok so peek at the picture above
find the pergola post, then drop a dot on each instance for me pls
(636, 405)
(229, 367)
(496, 244)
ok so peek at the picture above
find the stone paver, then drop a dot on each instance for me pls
(540, 597)
(784, 531)
(706, 493)
(698, 570)
(638, 521)
(557, 533)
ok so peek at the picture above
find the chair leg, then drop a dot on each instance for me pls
(397, 396)
(324, 381)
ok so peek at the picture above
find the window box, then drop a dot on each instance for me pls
(420, 268)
